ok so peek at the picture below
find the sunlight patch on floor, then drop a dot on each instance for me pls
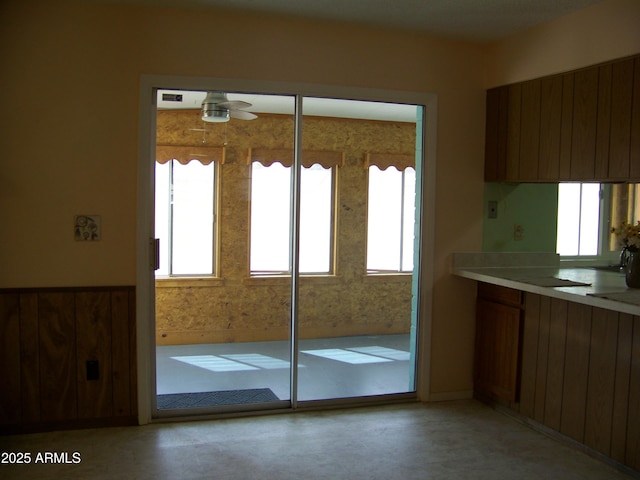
(384, 352)
(258, 360)
(346, 356)
(214, 364)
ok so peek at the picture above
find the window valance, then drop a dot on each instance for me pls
(184, 155)
(385, 160)
(268, 156)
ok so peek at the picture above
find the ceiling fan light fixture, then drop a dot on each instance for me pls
(215, 115)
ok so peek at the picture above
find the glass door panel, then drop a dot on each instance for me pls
(223, 216)
(356, 317)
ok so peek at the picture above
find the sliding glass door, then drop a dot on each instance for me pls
(287, 250)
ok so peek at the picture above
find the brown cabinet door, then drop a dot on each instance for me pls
(512, 141)
(620, 134)
(580, 126)
(492, 134)
(603, 123)
(550, 128)
(634, 162)
(585, 112)
(529, 131)
(566, 127)
(497, 350)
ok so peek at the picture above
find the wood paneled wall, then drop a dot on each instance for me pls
(47, 336)
(581, 375)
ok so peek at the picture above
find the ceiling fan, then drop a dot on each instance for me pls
(216, 107)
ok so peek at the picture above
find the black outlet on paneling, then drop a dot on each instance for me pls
(93, 370)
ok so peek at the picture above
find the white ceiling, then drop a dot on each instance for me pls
(475, 20)
(282, 104)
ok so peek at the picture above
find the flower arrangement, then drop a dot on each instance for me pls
(628, 236)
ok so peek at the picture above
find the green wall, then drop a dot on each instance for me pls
(533, 206)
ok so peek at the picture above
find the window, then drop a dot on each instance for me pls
(578, 219)
(185, 217)
(390, 219)
(270, 219)
(586, 213)
(624, 207)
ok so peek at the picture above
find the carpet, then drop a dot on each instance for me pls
(212, 399)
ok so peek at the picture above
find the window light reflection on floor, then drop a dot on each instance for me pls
(258, 360)
(346, 356)
(214, 364)
(385, 352)
(255, 361)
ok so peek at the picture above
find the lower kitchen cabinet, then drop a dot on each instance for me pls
(497, 353)
(578, 370)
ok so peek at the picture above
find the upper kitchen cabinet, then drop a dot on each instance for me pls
(578, 126)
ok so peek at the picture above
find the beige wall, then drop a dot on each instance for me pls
(71, 77)
(605, 31)
(71, 73)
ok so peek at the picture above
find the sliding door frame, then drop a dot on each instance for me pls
(145, 300)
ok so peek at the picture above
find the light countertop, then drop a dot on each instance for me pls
(544, 274)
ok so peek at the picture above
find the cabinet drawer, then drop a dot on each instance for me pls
(497, 293)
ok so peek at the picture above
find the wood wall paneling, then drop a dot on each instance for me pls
(543, 359)
(93, 327)
(47, 336)
(530, 131)
(10, 408)
(621, 388)
(632, 456)
(550, 128)
(620, 134)
(120, 354)
(580, 374)
(133, 370)
(555, 365)
(29, 358)
(585, 110)
(601, 383)
(576, 370)
(58, 384)
(530, 338)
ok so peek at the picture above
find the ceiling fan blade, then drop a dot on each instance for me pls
(234, 104)
(242, 115)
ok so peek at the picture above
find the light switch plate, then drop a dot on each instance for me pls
(492, 209)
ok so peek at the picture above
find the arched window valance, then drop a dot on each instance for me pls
(268, 156)
(385, 160)
(184, 155)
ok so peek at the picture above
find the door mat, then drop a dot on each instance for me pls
(212, 399)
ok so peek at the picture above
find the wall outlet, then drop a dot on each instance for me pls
(492, 209)
(518, 233)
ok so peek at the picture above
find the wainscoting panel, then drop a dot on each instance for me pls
(67, 358)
